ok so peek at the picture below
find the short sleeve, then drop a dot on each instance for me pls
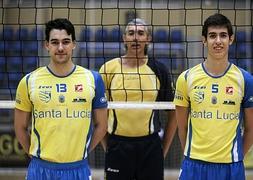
(181, 97)
(22, 95)
(99, 100)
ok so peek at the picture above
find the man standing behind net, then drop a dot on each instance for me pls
(62, 99)
(213, 100)
(133, 147)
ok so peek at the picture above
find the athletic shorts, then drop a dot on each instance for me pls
(44, 170)
(138, 158)
(201, 170)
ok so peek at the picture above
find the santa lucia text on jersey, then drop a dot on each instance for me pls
(66, 113)
(214, 114)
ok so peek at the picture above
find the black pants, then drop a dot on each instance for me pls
(134, 158)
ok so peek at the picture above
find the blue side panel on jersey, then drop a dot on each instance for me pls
(189, 139)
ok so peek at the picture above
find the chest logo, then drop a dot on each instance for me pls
(78, 88)
(45, 96)
(214, 100)
(61, 99)
(229, 102)
(79, 99)
(229, 90)
(199, 96)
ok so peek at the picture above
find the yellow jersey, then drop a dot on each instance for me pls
(61, 110)
(215, 112)
(147, 83)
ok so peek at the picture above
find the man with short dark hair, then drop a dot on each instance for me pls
(60, 101)
(213, 100)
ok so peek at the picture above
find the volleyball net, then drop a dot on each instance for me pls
(176, 42)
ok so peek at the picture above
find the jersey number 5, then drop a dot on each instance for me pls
(215, 88)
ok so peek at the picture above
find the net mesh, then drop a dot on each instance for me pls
(176, 31)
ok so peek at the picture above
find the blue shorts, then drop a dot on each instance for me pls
(40, 170)
(199, 170)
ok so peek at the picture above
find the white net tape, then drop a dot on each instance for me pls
(113, 105)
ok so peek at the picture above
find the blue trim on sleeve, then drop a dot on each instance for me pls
(99, 100)
(248, 89)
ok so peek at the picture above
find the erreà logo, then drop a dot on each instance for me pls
(229, 90)
(78, 88)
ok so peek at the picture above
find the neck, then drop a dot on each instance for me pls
(61, 69)
(216, 67)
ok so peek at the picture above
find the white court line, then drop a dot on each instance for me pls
(95, 172)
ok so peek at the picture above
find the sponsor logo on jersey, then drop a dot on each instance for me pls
(229, 90)
(214, 100)
(45, 96)
(54, 114)
(45, 87)
(229, 102)
(199, 87)
(178, 96)
(113, 170)
(79, 99)
(250, 99)
(199, 96)
(103, 99)
(131, 77)
(78, 88)
(217, 114)
(18, 99)
(61, 99)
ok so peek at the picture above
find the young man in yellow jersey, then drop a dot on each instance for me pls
(134, 149)
(214, 100)
(66, 107)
